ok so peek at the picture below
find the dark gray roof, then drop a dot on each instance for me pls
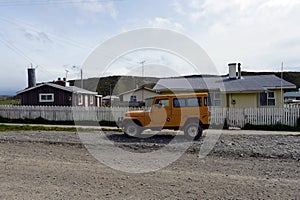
(224, 84)
(72, 89)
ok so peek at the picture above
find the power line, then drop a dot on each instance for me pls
(52, 2)
(69, 41)
(25, 25)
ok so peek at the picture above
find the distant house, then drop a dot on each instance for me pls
(292, 97)
(51, 94)
(110, 100)
(137, 95)
(57, 93)
(231, 91)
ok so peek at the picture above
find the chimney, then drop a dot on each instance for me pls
(239, 71)
(31, 77)
(232, 70)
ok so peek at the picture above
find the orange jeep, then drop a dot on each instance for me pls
(187, 112)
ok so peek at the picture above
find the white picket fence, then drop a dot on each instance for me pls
(234, 116)
(61, 113)
(257, 116)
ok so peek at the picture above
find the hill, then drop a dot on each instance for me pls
(118, 84)
(115, 84)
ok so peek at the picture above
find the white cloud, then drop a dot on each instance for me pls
(99, 7)
(159, 22)
(256, 32)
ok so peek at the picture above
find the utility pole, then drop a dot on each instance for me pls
(281, 90)
(81, 79)
(67, 71)
(142, 63)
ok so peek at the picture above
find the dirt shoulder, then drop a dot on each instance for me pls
(55, 165)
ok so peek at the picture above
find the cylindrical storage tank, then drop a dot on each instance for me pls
(31, 77)
(232, 70)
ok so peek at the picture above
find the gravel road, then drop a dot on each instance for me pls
(242, 165)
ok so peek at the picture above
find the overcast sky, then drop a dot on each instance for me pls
(58, 35)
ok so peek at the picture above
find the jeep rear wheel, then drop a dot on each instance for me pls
(131, 129)
(193, 130)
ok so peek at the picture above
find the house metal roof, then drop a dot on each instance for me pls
(224, 84)
(292, 94)
(72, 89)
(137, 89)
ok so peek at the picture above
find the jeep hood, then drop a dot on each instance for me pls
(136, 113)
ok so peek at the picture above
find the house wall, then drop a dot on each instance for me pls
(147, 94)
(61, 97)
(86, 102)
(251, 100)
(242, 100)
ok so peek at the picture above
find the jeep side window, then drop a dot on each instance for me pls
(178, 103)
(162, 102)
(205, 101)
(194, 102)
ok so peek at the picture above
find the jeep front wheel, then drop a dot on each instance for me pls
(131, 129)
(193, 130)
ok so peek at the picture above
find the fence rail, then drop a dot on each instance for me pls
(234, 116)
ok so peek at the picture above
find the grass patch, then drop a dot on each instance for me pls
(41, 120)
(10, 102)
(4, 128)
(294, 135)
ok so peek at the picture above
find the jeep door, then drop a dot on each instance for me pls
(160, 112)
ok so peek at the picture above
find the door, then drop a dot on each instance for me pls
(160, 112)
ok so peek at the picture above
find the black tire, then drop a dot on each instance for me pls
(131, 129)
(193, 130)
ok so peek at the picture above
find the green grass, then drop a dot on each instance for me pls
(294, 135)
(4, 128)
(10, 102)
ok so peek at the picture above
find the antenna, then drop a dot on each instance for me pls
(142, 63)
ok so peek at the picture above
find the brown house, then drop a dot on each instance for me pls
(52, 94)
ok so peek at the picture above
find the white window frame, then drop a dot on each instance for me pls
(46, 100)
(80, 99)
(215, 97)
(269, 98)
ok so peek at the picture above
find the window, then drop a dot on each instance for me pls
(205, 101)
(46, 97)
(133, 98)
(267, 99)
(80, 99)
(194, 102)
(214, 99)
(162, 102)
(91, 100)
(179, 103)
(187, 102)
